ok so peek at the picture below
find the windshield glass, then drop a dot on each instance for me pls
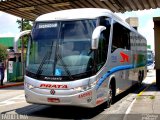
(61, 48)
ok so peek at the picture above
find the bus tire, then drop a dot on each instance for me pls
(140, 78)
(111, 96)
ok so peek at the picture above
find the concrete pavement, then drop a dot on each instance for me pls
(146, 105)
(148, 102)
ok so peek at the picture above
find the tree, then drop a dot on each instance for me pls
(3, 53)
(27, 25)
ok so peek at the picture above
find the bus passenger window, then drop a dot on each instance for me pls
(121, 37)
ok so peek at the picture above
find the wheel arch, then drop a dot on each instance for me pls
(112, 81)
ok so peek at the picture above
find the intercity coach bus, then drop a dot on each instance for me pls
(82, 57)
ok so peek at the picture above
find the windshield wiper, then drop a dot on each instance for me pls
(58, 57)
(64, 66)
(47, 56)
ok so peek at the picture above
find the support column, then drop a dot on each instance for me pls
(157, 49)
(22, 49)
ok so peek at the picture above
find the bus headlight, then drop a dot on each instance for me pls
(29, 86)
(81, 88)
(93, 83)
(86, 87)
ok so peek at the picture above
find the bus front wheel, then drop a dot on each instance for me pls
(111, 95)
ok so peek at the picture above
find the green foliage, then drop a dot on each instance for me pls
(3, 53)
(27, 25)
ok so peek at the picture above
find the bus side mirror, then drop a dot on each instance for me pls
(95, 36)
(17, 38)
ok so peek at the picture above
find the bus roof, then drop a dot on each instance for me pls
(74, 14)
(82, 13)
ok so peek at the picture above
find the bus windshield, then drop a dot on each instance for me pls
(61, 48)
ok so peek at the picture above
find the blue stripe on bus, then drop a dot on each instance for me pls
(113, 70)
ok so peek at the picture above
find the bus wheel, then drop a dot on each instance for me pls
(140, 78)
(111, 95)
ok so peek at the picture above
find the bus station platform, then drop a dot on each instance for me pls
(146, 106)
(147, 101)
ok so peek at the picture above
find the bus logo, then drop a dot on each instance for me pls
(52, 91)
(125, 57)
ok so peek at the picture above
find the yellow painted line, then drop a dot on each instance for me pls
(146, 88)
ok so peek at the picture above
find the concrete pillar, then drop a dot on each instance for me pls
(157, 48)
(133, 21)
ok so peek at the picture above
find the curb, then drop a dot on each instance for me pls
(12, 85)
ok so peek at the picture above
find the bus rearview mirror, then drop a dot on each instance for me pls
(96, 35)
(18, 37)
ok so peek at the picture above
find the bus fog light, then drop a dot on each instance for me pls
(89, 100)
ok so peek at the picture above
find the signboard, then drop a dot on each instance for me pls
(10, 66)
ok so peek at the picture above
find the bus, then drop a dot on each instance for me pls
(82, 57)
(150, 60)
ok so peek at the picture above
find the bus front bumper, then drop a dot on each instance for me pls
(82, 99)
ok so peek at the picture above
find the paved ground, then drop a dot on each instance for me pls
(131, 105)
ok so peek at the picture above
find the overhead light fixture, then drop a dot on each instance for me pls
(61, 4)
(26, 8)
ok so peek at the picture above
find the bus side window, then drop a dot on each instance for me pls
(121, 37)
(102, 51)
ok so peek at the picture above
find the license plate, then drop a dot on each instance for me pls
(54, 100)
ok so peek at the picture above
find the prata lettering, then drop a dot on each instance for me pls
(53, 86)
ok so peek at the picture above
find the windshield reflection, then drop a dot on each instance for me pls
(61, 48)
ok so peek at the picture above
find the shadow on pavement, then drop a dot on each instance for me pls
(58, 112)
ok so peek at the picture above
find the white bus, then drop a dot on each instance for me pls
(82, 57)
(150, 60)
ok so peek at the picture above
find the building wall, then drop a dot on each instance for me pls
(8, 41)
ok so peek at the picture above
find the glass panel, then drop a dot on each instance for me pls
(61, 48)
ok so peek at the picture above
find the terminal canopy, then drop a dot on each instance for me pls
(31, 9)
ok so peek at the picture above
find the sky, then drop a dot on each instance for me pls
(9, 27)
